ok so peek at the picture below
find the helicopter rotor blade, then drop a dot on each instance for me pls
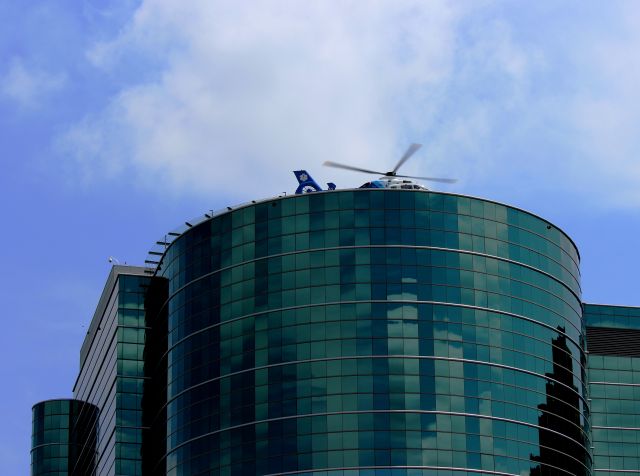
(431, 179)
(329, 163)
(410, 151)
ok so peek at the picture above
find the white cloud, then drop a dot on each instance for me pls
(28, 86)
(604, 112)
(234, 95)
(247, 91)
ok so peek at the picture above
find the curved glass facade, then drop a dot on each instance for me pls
(63, 437)
(361, 331)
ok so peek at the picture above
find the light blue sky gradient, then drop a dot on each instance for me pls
(120, 119)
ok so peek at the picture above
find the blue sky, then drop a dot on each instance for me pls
(120, 119)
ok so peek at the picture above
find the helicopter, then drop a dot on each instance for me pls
(389, 179)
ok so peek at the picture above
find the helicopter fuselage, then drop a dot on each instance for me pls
(394, 183)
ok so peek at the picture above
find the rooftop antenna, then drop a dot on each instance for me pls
(392, 173)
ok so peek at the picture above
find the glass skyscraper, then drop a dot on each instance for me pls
(111, 381)
(63, 437)
(613, 334)
(365, 331)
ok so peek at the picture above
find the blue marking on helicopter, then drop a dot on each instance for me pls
(306, 184)
(374, 184)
